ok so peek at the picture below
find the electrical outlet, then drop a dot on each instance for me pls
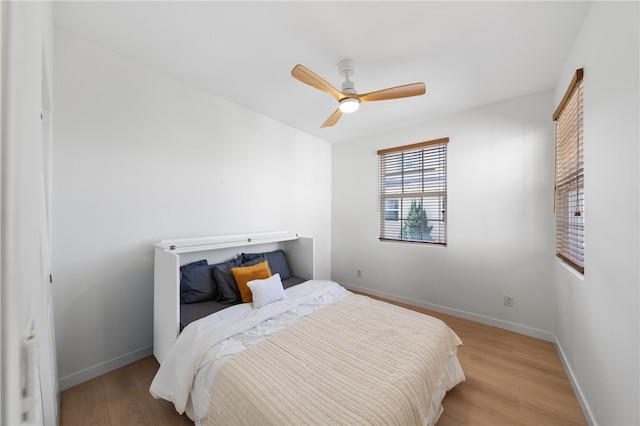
(508, 300)
(359, 273)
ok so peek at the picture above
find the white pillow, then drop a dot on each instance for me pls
(266, 291)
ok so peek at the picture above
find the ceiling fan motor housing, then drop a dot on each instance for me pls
(346, 69)
(348, 86)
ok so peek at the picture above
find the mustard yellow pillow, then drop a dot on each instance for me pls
(244, 274)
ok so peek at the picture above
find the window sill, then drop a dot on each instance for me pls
(414, 242)
(570, 269)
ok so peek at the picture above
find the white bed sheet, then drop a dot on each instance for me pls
(186, 376)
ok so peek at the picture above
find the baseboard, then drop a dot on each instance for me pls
(518, 328)
(586, 410)
(103, 368)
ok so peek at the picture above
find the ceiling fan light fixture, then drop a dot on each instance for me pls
(348, 105)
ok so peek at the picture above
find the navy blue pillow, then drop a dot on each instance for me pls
(228, 291)
(196, 283)
(277, 262)
(192, 265)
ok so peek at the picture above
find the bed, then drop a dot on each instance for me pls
(309, 351)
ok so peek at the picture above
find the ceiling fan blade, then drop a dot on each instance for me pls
(305, 75)
(405, 91)
(333, 118)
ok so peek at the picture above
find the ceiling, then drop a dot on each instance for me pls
(468, 53)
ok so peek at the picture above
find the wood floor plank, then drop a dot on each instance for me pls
(120, 397)
(511, 379)
(85, 404)
(125, 397)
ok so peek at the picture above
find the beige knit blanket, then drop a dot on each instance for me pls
(357, 361)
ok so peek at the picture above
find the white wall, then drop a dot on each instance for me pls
(597, 317)
(500, 218)
(138, 157)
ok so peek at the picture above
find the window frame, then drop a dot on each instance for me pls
(569, 188)
(426, 164)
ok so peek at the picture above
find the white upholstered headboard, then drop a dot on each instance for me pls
(171, 254)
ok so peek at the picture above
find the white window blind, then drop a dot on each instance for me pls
(413, 192)
(569, 179)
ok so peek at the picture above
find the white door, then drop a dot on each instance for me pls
(47, 348)
(28, 382)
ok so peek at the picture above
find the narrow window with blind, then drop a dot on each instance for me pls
(569, 179)
(413, 192)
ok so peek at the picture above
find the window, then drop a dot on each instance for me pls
(569, 179)
(413, 192)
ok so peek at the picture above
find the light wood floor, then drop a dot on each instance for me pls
(511, 379)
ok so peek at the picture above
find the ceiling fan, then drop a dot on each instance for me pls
(348, 99)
